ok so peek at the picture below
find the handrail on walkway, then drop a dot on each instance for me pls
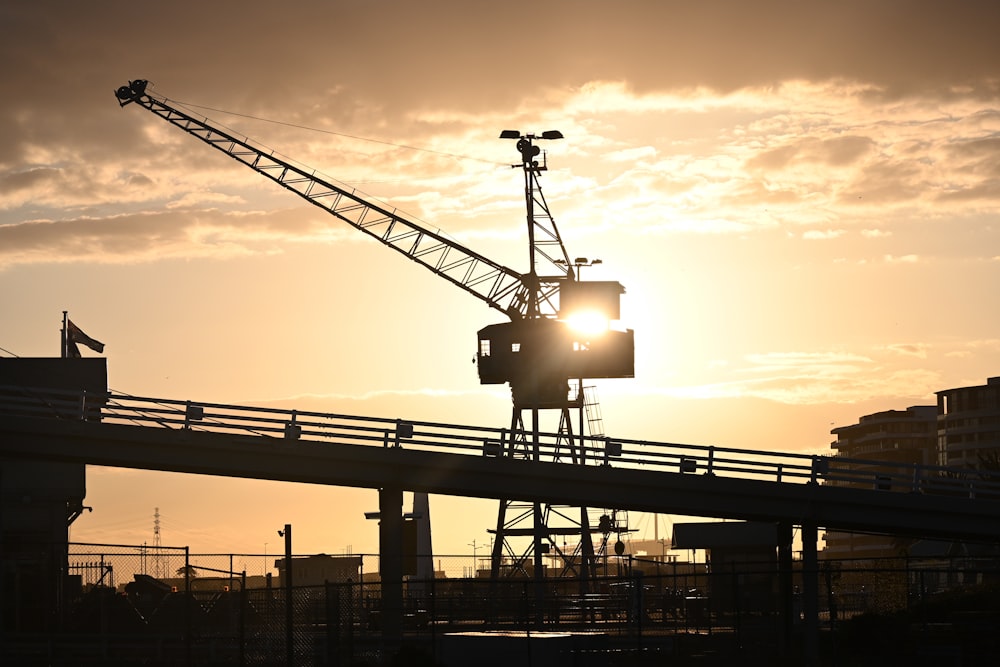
(293, 425)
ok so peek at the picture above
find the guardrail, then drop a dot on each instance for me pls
(782, 467)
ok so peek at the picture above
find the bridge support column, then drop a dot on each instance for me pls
(785, 585)
(810, 595)
(390, 535)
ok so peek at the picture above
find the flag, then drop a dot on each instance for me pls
(74, 335)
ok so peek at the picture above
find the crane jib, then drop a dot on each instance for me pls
(501, 287)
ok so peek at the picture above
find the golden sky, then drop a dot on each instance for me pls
(800, 198)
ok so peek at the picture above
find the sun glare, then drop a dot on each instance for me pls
(588, 322)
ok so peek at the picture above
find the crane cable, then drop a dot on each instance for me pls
(339, 134)
(166, 98)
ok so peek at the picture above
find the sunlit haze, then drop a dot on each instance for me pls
(802, 201)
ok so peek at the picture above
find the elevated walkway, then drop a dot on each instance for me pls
(341, 450)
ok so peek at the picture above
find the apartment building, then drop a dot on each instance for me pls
(894, 437)
(968, 426)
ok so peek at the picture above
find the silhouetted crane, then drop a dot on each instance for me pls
(543, 359)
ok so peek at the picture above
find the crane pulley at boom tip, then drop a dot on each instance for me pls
(536, 352)
(130, 93)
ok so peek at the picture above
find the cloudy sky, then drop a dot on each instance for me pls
(801, 199)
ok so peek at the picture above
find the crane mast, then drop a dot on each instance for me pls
(536, 351)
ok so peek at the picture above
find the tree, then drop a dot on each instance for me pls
(187, 570)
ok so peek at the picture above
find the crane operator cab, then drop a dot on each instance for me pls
(539, 356)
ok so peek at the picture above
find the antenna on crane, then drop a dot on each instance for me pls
(543, 236)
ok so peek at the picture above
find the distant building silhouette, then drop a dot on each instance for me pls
(40, 500)
(969, 426)
(320, 569)
(961, 431)
(895, 437)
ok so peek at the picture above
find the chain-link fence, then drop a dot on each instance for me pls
(165, 606)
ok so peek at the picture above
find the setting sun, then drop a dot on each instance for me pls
(588, 322)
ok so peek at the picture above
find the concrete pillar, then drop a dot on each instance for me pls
(786, 587)
(390, 535)
(810, 595)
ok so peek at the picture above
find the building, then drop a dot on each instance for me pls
(961, 431)
(321, 569)
(894, 437)
(968, 422)
(39, 500)
(742, 556)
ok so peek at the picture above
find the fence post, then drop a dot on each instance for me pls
(333, 622)
(737, 606)
(243, 616)
(188, 612)
(640, 602)
(433, 615)
(289, 608)
(831, 598)
(820, 466)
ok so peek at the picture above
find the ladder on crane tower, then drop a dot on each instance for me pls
(608, 521)
(593, 426)
(592, 407)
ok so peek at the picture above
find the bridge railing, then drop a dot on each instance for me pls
(339, 429)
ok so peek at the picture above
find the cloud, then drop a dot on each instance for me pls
(150, 237)
(918, 350)
(814, 361)
(203, 198)
(759, 131)
(822, 235)
(810, 378)
(631, 154)
(805, 388)
(839, 151)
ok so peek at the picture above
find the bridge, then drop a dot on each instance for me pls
(836, 493)
(396, 455)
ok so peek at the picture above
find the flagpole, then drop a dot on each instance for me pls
(63, 350)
